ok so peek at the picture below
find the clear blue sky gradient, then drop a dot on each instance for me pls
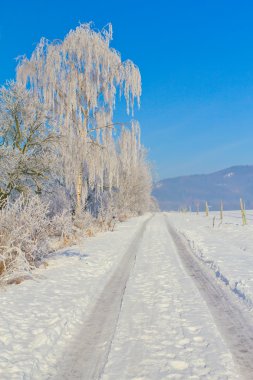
(196, 61)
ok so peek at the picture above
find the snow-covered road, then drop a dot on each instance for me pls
(165, 329)
(86, 356)
(132, 304)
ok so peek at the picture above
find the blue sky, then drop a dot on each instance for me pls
(196, 61)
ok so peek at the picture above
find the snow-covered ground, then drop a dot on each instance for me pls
(162, 328)
(225, 247)
(165, 330)
(39, 317)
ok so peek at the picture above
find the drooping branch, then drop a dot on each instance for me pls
(79, 80)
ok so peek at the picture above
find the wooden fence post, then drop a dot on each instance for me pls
(242, 206)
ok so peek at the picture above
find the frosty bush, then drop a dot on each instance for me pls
(106, 218)
(83, 220)
(23, 236)
(59, 200)
(61, 224)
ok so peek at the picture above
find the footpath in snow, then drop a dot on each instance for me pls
(157, 327)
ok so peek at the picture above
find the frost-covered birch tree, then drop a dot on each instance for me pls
(79, 80)
(135, 182)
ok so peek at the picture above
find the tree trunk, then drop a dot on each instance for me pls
(79, 186)
(79, 181)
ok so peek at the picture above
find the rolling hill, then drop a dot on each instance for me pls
(228, 185)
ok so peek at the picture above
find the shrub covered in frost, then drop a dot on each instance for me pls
(61, 224)
(23, 236)
(83, 220)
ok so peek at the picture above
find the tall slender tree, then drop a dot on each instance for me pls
(79, 80)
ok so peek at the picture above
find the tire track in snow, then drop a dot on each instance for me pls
(233, 323)
(87, 355)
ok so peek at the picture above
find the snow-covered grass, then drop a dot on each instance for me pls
(226, 247)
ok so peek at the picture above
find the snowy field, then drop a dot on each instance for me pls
(225, 247)
(162, 328)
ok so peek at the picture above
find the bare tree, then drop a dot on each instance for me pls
(26, 141)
